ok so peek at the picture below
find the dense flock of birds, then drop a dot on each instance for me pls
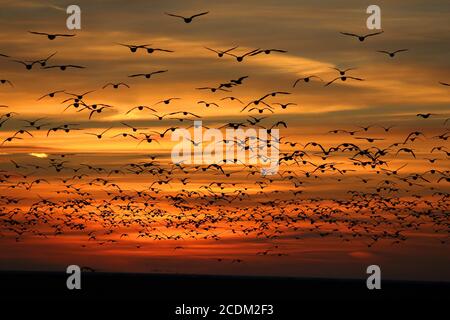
(182, 202)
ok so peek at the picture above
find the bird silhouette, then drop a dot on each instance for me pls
(424, 115)
(115, 85)
(167, 101)
(51, 94)
(28, 64)
(342, 72)
(133, 48)
(3, 81)
(140, 108)
(306, 79)
(221, 53)
(64, 67)
(241, 57)
(152, 50)
(343, 78)
(392, 53)
(52, 36)
(268, 51)
(362, 37)
(147, 75)
(187, 19)
(100, 135)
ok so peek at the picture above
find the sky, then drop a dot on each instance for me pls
(393, 92)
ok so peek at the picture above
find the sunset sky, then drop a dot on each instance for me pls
(393, 92)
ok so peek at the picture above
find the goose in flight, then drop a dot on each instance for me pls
(268, 51)
(221, 53)
(392, 53)
(63, 67)
(232, 99)
(44, 61)
(152, 50)
(51, 94)
(361, 37)
(241, 58)
(187, 19)
(140, 108)
(208, 104)
(115, 85)
(99, 136)
(3, 81)
(147, 75)
(133, 48)
(166, 101)
(306, 79)
(52, 36)
(424, 115)
(28, 64)
(9, 139)
(285, 105)
(343, 78)
(343, 71)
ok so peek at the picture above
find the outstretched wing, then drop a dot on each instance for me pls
(373, 34)
(332, 81)
(40, 33)
(349, 34)
(174, 15)
(199, 14)
(64, 35)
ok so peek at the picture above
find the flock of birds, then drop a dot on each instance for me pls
(181, 202)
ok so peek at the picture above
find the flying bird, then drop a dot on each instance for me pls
(221, 53)
(152, 50)
(9, 139)
(187, 19)
(28, 64)
(115, 85)
(147, 75)
(63, 67)
(268, 51)
(285, 105)
(343, 78)
(424, 115)
(166, 101)
(52, 36)
(140, 108)
(241, 57)
(208, 104)
(361, 37)
(342, 71)
(232, 99)
(99, 136)
(51, 94)
(98, 110)
(133, 48)
(392, 53)
(306, 79)
(43, 62)
(3, 81)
